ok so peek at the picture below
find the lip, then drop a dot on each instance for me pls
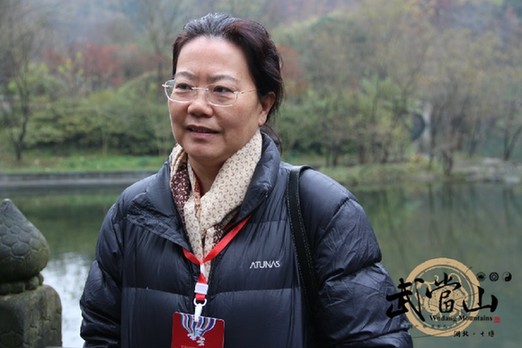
(201, 132)
(201, 129)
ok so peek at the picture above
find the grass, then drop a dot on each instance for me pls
(44, 162)
(415, 170)
(389, 173)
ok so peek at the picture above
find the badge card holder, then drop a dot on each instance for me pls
(192, 331)
(206, 332)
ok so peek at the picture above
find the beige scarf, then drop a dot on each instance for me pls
(205, 217)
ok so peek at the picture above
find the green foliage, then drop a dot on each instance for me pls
(78, 160)
(129, 120)
(355, 73)
(411, 170)
(349, 108)
(297, 125)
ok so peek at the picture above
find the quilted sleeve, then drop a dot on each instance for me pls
(101, 298)
(353, 284)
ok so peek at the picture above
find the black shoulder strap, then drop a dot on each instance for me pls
(301, 242)
(305, 259)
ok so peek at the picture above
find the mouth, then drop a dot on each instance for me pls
(201, 130)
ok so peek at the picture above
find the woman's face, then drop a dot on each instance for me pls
(211, 134)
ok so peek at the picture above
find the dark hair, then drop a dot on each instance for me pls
(263, 60)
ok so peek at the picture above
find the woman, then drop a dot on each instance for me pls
(221, 197)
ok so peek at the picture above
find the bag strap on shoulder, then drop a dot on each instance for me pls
(300, 237)
(305, 259)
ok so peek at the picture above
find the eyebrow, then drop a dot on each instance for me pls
(212, 79)
(216, 78)
(185, 74)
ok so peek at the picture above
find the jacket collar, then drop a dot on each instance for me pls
(263, 180)
(155, 210)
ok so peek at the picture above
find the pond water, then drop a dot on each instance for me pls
(479, 225)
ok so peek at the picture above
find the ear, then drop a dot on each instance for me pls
(266, 105)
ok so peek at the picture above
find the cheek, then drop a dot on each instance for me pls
(175, 122)
(174, 114)
(252, 116)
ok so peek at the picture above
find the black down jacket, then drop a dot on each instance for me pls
(140, 276)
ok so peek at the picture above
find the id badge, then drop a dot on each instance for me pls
(187, 333)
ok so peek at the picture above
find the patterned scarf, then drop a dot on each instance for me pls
(205, 217)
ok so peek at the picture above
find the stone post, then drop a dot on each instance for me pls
(30, 312)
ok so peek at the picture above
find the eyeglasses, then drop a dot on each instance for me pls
(217, 95)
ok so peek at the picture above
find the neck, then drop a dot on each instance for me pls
(205, 175)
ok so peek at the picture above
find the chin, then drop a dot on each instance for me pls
(204, 157)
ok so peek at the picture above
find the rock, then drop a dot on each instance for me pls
(24, 251)
(31, 319)
(30, 313)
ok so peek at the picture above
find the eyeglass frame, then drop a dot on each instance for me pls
(194, 91)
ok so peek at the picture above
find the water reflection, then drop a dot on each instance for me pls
(67, 275)
(477, 224)
(70, 220)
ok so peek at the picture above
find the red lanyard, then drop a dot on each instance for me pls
(201, 285)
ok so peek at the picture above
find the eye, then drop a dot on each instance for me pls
(221, 90)
(182, 87)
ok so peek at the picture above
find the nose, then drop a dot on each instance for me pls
(204, 93)
(200, 105)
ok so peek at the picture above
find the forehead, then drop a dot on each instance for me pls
(212, 57)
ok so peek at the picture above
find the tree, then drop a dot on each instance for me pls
(399, 37)
(509, 101)
(160, 20)
(22, 29)
(509, 77)
(364, 68)
(380, 137)
(324, 69)
(456, 84)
